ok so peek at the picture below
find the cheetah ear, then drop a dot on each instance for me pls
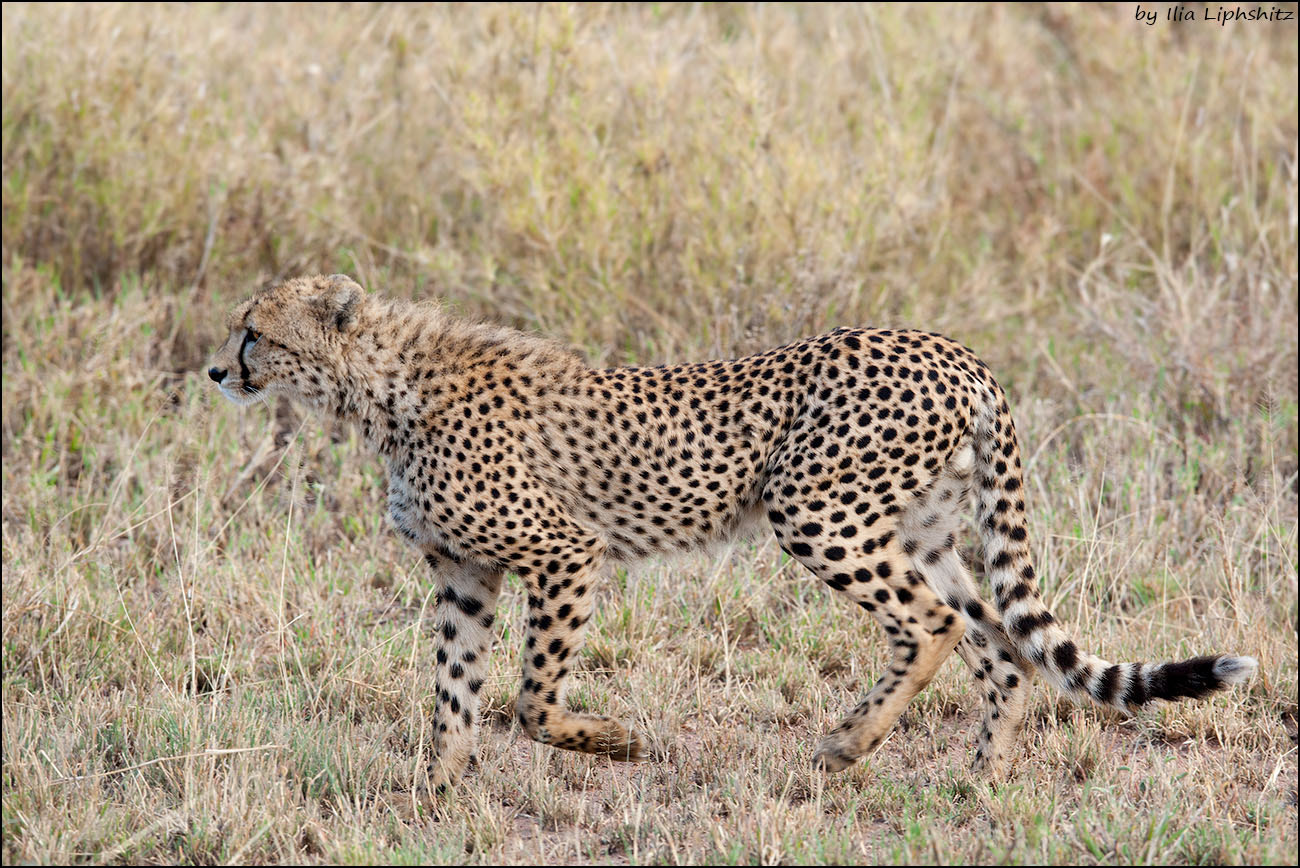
(338, 302)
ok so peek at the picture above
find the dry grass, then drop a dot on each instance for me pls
(1105, 211)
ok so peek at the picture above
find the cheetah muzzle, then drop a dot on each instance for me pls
(862, 447)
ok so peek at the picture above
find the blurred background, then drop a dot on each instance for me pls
(658, 180)
(1105, 210)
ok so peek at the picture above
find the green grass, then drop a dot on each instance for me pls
(214, 650)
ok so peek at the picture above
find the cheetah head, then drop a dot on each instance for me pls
(288, 340)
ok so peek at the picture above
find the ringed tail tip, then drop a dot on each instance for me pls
(1234, 670)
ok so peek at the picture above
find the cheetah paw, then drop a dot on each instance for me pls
(832, 759)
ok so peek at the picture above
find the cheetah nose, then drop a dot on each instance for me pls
(216, 374)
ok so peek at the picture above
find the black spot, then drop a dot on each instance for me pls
(469, 605)
(1066, 656)
(1031, 622)
(1019, 592)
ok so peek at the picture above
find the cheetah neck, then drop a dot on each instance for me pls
(381, 366)
(406, 365)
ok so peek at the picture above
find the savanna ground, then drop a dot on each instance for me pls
(213, 649)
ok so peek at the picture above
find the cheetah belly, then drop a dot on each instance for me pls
(643, 514)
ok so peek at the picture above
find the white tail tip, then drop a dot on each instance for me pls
(1234, 670)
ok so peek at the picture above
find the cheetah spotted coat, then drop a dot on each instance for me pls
(860, 447)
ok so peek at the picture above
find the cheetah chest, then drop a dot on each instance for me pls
(412, 497)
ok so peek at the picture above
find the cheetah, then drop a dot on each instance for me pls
(860, 448)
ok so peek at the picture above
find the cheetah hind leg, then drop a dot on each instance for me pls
(928, 530)
(1002, 675)
(923, 634)
(922, 630)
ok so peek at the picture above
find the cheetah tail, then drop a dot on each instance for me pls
(1000, 511)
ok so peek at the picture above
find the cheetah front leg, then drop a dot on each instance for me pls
(467, 598)
(560, 599)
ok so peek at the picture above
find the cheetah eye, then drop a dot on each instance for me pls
(251, 336)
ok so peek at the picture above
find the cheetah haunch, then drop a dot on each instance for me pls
(507, 453)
